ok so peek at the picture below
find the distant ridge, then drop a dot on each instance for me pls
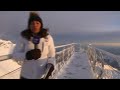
(106, 44)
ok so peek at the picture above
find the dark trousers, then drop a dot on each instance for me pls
(22, 77)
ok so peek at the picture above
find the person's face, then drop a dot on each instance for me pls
(35, 26)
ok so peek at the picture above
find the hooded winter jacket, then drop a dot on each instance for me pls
(34, 69)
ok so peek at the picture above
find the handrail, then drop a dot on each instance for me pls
(62, 58)
(10, 72)
(100, 67)
(5, 57)
(9, 56)
(64, 45)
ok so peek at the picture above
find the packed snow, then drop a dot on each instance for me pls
(6, 47)
(77, 68)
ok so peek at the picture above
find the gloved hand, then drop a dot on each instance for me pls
(33, 54)
(51, 66)
(29, 55)
(36, 54)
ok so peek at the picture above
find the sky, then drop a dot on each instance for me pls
(71, 26)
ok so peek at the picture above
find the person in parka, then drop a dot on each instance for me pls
(35, 48)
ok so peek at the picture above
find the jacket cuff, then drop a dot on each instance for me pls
(51, 60)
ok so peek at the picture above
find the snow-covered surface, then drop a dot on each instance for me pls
(6, 47)
(77, 68)
(8, 66)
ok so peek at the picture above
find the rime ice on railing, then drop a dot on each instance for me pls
(102, 63)
(62, 58)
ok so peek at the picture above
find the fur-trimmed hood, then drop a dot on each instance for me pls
(27, 34)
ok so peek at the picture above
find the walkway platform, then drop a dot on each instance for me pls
(77, 68)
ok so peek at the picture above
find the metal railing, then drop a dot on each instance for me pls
(61, 59)
(14, 74)
(103, 64)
